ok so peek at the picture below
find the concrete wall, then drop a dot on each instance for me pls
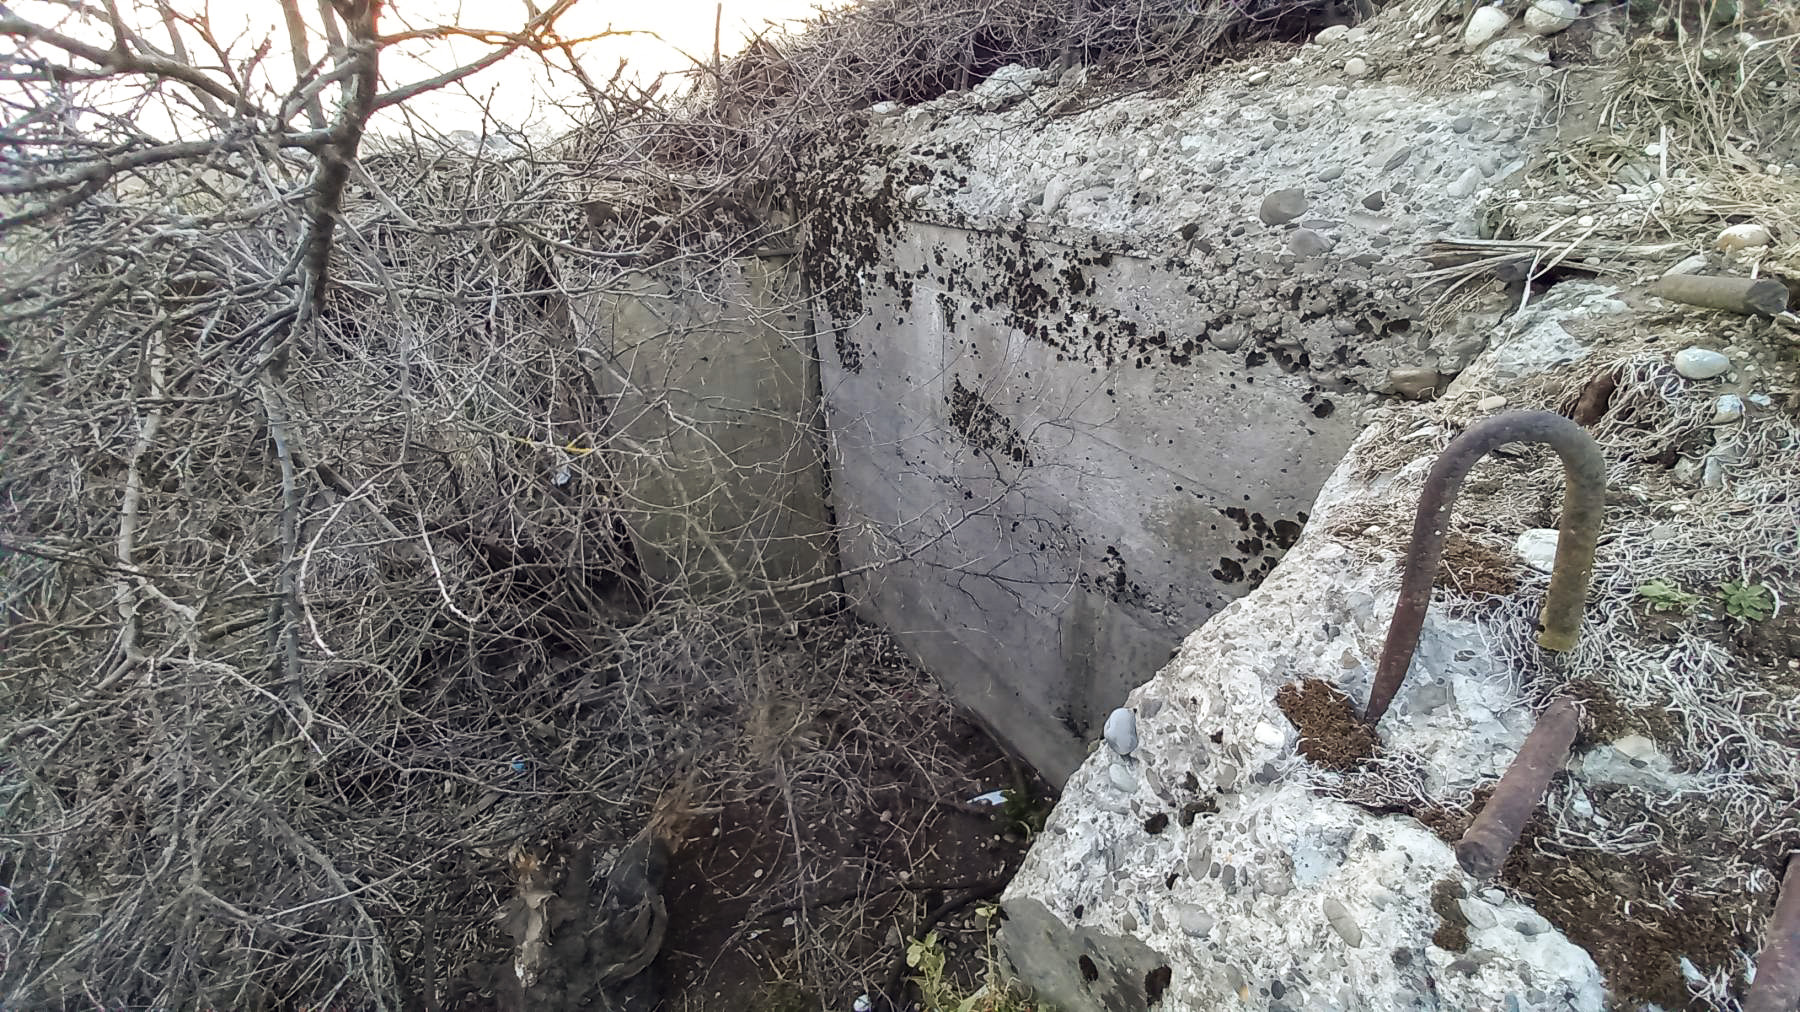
(1086, 362)
(1078, 476)
(713, 413)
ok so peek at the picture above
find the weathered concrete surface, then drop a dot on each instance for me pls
(713, 410)
(1257, 879)
(1072, 363)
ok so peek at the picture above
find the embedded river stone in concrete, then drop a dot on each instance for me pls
(1094, 367)
(1293, 862)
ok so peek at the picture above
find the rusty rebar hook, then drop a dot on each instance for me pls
(1777, 984)
(1584, 501)
(1491, 837)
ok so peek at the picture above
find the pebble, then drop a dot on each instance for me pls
(1466, 183)
(1195, 922)
(1662, 532)
(1331, 33)
(1531, 924)
(1537, 549)
(1269, 734)
(1739, 237)
(1121, 731)
(1462, 124)
(1335, 172)
(1413, 384)
(1478, 914)
(1429, 697)
(1227, 338)
(1307, 243)
(1691, 265)
(1375, 201)
(1283, 206)
(1382, 899)
(1712, 471)
(1121, 778)
(1341, 922)
(1494, 403)
(1484, 24)
(1356, 67)
(1728, 409)
(1547, 17)
(1501, 51)
(1257, 78)
(1054, 192)
(1274, 882)
(1700, 363)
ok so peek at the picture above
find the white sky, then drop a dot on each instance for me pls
(518, 85)
(516, 89)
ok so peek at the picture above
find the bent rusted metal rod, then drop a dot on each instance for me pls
(1748, 296)
(1777, 984)
(1483, 849)
(1584, 500)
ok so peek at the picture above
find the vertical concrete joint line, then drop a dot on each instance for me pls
(1584, 503)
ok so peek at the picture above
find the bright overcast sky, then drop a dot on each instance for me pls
(515, 90)
(680, 26)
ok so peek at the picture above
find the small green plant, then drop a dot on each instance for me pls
(926, 957)
(1665, 596)
(1747, 602)
(1023, 813)
(996, 994)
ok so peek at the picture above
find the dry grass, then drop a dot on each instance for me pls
(321, 527)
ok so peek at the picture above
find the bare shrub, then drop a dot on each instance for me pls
(322, 522)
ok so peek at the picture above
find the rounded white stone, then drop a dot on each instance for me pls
(1478, 914)
(1195, 922)
(1121, 778)
(1537, 549)
(1484, 24)
(1494, 403)
(1742, 236)
(1121, 731)
(1700, 363)
(1342, 922)
(1730, 408)
(1547, 17)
